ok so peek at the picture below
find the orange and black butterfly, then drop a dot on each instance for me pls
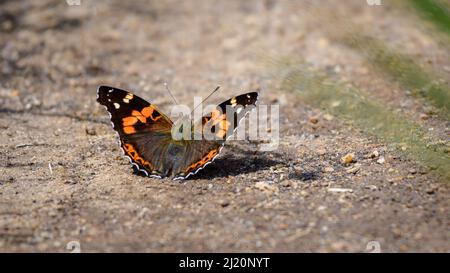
(146, 133)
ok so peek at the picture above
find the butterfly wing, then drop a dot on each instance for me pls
(144, 132)
(220, 122)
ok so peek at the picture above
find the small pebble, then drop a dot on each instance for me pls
(348, 158)
(353, 170)
(371, 187)
(374, 154)
(304, 193)
(266, 187)
(313, 120)
(328, 117)
(381, 160)
(289, 184)
(339, 190)
(224, 203)
(424, 116)
(91, 131)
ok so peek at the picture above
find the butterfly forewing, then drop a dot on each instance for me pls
(131, 114)
(140, 125)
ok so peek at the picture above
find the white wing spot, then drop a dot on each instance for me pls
(116, 105)
(126, 100)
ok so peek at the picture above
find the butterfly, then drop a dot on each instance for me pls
(145, 133)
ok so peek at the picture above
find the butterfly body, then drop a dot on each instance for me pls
(146, 137)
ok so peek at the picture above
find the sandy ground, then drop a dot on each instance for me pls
(62, 176)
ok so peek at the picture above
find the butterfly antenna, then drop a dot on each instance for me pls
(214, 91)
(170, 93)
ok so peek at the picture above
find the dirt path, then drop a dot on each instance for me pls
(62, 177)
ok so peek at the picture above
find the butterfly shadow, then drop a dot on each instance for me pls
(304, 175)
(233, 165)
(230, 165)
